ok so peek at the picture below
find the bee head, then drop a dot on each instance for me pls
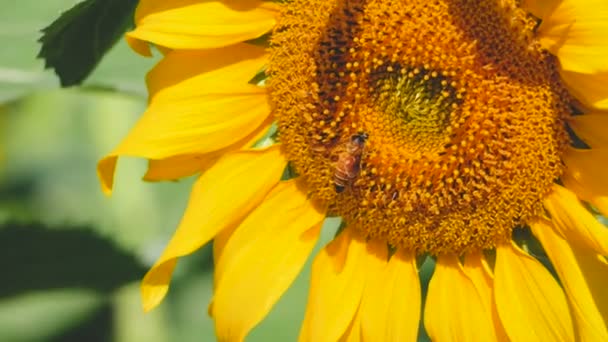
(359, 138)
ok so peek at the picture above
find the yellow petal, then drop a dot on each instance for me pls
(584, 172)
(530, 303)
(575, 222)
(368, 309)
(454, 310)
(477, 269)
(338, 277)
(353, 332)
(305, 330)
(585, 193)
(262, 258)
(590, 89)
(139, 46)
(540, 8)
(195, 107)
(184, 74)
(179, 166)
(591, 128)
(584, 280)
(187, 165)
(390, 307)
(575, 31)
(219, 242)
(195, 24)
(221, 197)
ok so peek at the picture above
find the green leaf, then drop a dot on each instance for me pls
(75, 43)
(55, 314)
(98, 327)
(36, 257)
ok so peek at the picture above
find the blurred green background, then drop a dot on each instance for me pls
(71, 257)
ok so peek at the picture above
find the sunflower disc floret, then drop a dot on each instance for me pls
(464, 112)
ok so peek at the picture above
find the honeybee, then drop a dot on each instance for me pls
(348, 164)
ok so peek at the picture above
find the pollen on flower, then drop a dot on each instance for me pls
(464, 115)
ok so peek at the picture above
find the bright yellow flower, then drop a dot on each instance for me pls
(484, 123)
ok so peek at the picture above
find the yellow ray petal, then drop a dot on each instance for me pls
(139, 46)
(369, 310)
(353, 332)
(530, 303)
(591, 128)
(540, 8)
(184, 74)
(586, 193)
(221, 239)
(179, 166)
(454, 310)
(338, 277)
(262, 258)
(187, 165)
(584, 280)
(305, 330)
(575, 31)
(478, 270)
(195, 107)
(586, 175)
(195, 24)
(221, 197)
(590, 89)
(219, 242)
(187, 133)
(575, 222)
(390, 307)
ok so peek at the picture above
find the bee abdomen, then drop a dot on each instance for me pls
(341, 179)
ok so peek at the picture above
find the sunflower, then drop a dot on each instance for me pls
(469, 132)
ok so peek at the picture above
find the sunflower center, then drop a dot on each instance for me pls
(415, 105)
(435, 126)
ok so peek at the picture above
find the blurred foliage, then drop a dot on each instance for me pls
(61, 258)
(21, 72)
(48, 315)
(20, 22)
